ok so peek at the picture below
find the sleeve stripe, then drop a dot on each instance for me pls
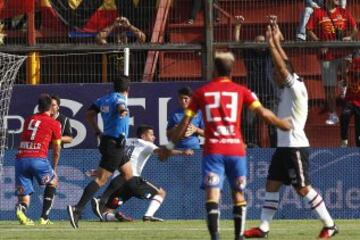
(255, 105)
(189, 113)
(57, 142)
(289, 80)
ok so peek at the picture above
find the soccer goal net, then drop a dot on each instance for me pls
(9, 67)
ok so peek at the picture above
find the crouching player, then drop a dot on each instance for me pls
(139, 151)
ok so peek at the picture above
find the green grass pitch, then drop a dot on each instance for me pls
(180, 230)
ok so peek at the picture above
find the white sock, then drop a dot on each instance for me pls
(154, 205)
(268, 210)
(109, 217)
(317, 204)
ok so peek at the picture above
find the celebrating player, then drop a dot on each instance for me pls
(139, 150)
(221, 102)
(290, 164)
(31, 161)
(115, 115)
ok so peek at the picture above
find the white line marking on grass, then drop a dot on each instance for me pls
(32, 229)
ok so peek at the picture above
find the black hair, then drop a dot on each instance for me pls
(187, 91)
(224, 63)
(121, 83)
(56, 98)
(44, 103)
(143, 129)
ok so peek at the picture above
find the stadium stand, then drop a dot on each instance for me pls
(168, 24)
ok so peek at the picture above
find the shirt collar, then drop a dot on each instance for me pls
(221, 79)
(56, 115)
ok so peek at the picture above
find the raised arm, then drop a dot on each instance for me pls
(278, 58)
(125, 23)
(278, 38)
(237, 29)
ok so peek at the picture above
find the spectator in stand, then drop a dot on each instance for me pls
(196, 6)
(328, 24)
(352, 102)
(310, 5)
(259, 69)
(124, 32)
(196, 127)
(121, 27)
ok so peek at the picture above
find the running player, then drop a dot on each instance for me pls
(32, 161)
(221, 102)
(115, 115)
(290, 163)
(139, 150)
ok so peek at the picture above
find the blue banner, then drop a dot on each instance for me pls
(334, 173)
(148, 103)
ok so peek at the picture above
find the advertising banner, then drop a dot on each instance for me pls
(334, 173)
(148, 103)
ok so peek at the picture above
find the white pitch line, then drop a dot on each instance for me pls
(31, 229)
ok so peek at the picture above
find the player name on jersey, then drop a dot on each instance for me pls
(225, 140)
(30, 145)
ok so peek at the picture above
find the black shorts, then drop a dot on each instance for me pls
(290, 166)
(112, 153)
(136, 187)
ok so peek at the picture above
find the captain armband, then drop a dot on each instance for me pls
(189, 113)
(255, 105)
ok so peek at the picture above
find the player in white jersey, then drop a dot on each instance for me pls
(289, 164)
(139, 150)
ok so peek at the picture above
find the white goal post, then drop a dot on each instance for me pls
(9, 67)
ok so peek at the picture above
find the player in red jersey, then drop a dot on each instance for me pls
(32, 160)
(221, 102)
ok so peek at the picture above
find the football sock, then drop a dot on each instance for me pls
(87, 195)
(268, 210)
(318, 206)
(109, 217)
(114, 185)
(22, 206)
(213, 214)
(154, 205)
(49, 194)
(239, 211)
(114, 202)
